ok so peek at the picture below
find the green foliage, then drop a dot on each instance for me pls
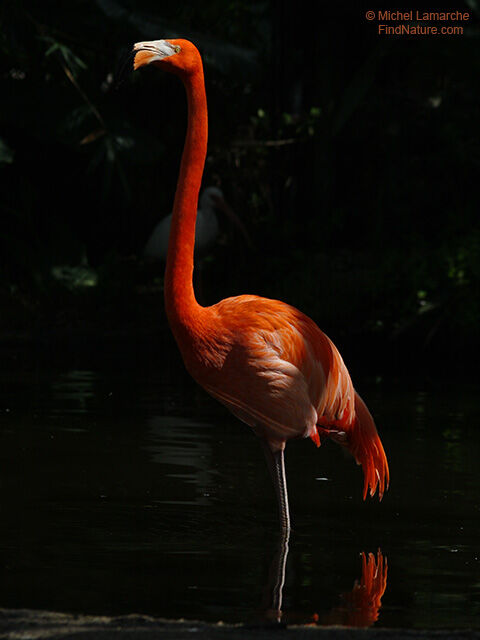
(350, 160)
(73, 62)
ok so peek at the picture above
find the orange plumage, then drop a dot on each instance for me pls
(278, 372)
(266, 361)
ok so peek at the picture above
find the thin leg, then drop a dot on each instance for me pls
(276, 466)
(273, 594)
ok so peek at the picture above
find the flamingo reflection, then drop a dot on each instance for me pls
(358, 607)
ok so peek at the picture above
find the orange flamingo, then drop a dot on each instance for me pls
(266, 361)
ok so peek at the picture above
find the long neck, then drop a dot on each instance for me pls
(180, 302)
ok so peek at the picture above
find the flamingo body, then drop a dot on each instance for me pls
(275, 370)
(266, 361)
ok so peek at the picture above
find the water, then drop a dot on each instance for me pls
(125, 488)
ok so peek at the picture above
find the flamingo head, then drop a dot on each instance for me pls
(175, 55)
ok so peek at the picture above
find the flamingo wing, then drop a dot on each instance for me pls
(277, 371)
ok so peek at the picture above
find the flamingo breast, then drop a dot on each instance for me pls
(271, 366)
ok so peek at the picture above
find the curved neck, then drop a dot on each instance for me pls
(180, 301)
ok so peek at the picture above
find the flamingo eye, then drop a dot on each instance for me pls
(177, 48)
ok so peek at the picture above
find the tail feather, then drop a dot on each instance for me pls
(365, 445)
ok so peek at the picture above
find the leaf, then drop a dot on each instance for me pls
(91, 137)
(73, 62)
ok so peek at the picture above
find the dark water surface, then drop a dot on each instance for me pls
(125, 488)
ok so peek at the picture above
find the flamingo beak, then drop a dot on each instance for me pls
(152, 51)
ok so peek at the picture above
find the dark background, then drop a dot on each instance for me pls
(352, 159)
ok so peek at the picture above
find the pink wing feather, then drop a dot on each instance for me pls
(279, 373)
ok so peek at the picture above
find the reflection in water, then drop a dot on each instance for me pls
(359, 607)
(120, 492)
(273, 593)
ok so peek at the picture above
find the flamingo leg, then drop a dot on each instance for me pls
(276, 466)
(273, 594)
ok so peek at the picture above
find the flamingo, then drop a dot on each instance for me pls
(267, 362)
(206, 227)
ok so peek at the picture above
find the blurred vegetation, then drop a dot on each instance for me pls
(352, 159)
